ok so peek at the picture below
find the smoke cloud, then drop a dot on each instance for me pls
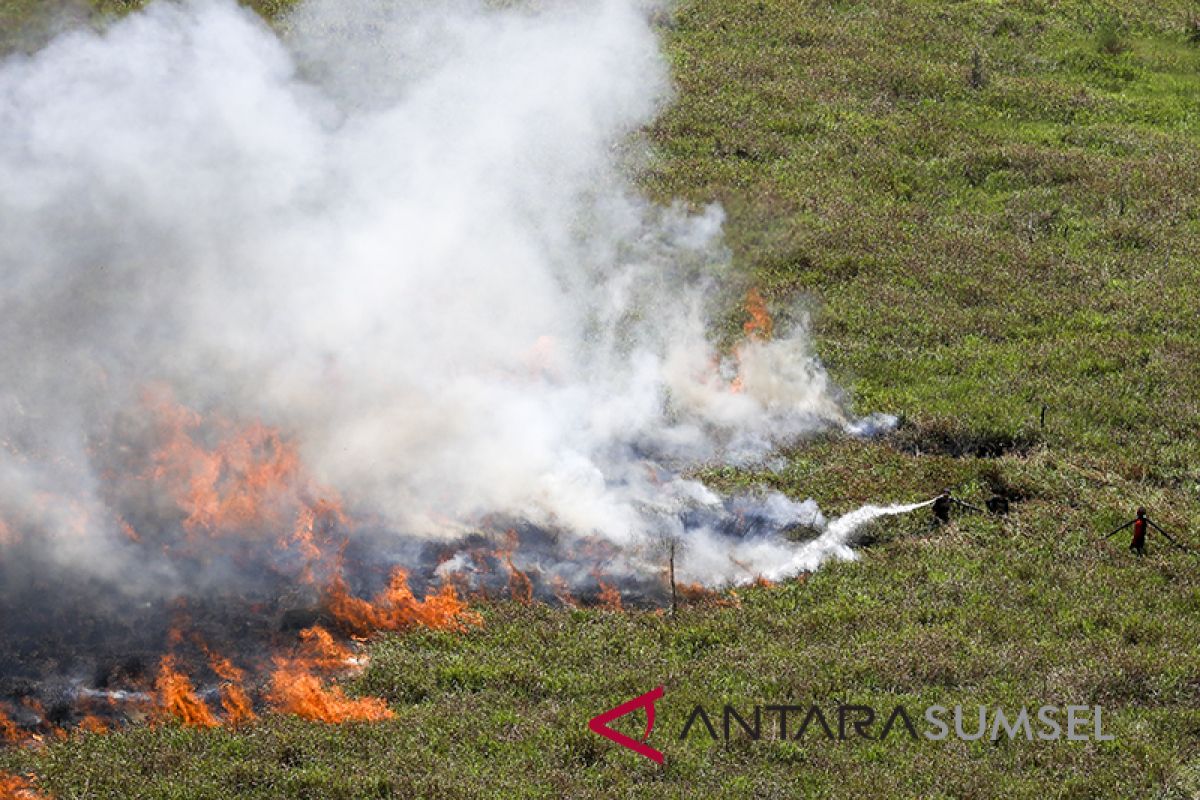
(405, 238)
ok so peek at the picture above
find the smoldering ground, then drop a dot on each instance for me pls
(382, 278)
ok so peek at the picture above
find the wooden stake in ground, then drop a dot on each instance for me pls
(671, 572)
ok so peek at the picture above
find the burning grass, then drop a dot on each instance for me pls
(236, 511)
(976, 251)
(298, 682)
(397, 609)
(18, 787)
(296, 690)
(9, 732)
(231, 490)
(236, 496)
(177, 699)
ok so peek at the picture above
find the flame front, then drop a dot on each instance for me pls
(236, 703)
(177, 699)
(396, 608)
(18, 787)
(760, 325)
(758, 328)
(296, 690)
(239, 498)
(9, 732)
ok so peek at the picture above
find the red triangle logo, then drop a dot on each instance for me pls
(599, 724)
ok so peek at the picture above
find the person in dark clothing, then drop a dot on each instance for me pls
(997, 504)
(942, 505)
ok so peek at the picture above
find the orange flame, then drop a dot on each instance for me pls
(93, 724)
(323, 652)
(234, 700)
(396, 608)
(519, 585)
(311, 537)
(39, 711)
(295, 690)
(758, 328)
(129, 532)
(246, 480)
(698, 594)
(563, 592)
(18, 787)
(249, 482)
(176, 697)
(252, 481)
(760, 325)
(609, 598)
(9, 732)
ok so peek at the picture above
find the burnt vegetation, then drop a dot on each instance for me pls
(941, 437)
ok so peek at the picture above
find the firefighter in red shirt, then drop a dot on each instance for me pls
(1138, 543)
(1141, 526)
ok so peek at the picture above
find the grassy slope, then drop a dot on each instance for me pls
(971, 253)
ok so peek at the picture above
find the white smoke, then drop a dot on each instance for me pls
(405, 235)
(775, 558)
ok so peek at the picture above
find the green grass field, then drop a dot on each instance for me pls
(988, 207)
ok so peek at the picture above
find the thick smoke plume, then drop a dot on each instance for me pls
(297, 317)
(400, 235)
